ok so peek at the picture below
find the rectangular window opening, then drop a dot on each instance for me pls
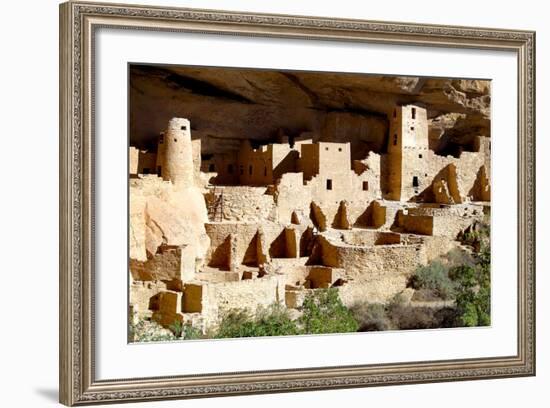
(365, 185)
(415, 181)
(329, 184)
(413, 113)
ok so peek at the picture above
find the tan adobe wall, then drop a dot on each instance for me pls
(274, 240)
(309, 160)
(451, 225)
(141, 294)
(212, 299)
(240, 203)
(164, 265)
(255, 165)
(418, 224)
(292, 196)
(196, 153)
(378, 272)
(141, 161)
(367, 263)
(370, 237)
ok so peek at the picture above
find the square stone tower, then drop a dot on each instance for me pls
(407, 152)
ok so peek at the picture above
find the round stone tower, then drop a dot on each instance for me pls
(178, 154)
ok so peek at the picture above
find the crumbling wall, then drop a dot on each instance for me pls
(245, 234)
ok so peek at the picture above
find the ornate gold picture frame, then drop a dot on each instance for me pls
(78, 24)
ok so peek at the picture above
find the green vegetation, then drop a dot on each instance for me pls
(464, 278)
(185, 331)
(473, 298)
(324, 312)
(271, 321)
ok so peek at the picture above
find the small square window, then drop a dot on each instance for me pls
(412, 127)
(339, 149)
(184, 127)
(419, 156)
(326, 148)
(329, 184)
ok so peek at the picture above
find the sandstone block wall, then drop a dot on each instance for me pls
(376, 270)
(240, 203)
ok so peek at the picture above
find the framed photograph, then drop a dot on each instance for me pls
(256, 203)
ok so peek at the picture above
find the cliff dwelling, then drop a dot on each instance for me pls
(350, 200)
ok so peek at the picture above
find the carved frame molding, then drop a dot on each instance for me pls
(78, 21)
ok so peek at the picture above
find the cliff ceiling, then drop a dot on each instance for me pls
(226, 105)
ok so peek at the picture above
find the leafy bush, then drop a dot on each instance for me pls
(324, 312)
(473, 298)
(434, 277)
(473, 294)
(271, 321)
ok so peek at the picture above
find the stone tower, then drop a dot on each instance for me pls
(407, 153)
(178, 154)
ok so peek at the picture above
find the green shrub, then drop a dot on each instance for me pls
(473, 297)
(434, 277)
(185, 331)
(324, 312)
(271, 321)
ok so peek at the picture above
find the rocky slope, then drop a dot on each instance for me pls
(226, 105)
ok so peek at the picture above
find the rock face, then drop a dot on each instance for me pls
(227, 105)
(169, 221)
